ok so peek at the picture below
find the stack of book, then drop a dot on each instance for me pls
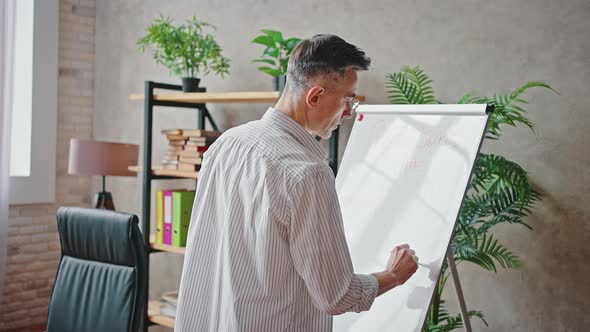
(186, 148)
(168, 303)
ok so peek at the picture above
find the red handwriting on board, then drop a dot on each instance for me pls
(430, 141)
(413, 164)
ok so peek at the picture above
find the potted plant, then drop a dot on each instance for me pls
(275, 55)
(186, 50)
(499, 191)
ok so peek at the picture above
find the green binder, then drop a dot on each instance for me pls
(182, 205)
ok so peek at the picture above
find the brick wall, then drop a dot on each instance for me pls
(33, 242)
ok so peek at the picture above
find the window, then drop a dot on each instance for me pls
(22, 98)
(34, 100)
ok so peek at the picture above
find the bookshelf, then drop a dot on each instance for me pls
(167, 248)
(164, 247)
(154, 316)
(197, 101)
(159, 172)
(215, 97)
(174, 98)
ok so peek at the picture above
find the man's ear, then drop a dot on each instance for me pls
(313, 96)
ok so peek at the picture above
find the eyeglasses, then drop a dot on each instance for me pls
(353, 102)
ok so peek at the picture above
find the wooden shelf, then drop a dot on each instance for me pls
(155, 317)
(215, 97)
(219, 97)
(168, 248)
(165, 172)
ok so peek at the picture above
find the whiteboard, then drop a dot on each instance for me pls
(402, 180)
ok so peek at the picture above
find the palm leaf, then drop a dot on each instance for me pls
(410, 86)
(400, 90)
(489, 252)
(501, 192)
(532, 84)
(455, 322)
(465, 244)
(475, 210)
(470, 98)
(496, 175)
(508, 109)
(443, 313)
(421, 81)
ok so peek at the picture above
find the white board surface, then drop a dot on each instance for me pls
(402, 180)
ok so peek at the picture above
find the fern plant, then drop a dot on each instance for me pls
(498, 192)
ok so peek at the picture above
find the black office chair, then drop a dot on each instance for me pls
(101, 279)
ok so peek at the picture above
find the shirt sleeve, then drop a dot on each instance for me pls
(319, 249)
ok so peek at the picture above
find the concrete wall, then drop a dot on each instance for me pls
(486, 46)
(33, 242)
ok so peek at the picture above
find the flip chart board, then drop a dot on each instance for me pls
(402, 180)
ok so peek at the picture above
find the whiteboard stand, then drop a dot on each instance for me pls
(427, 153)
(459, 291)
(451, 259)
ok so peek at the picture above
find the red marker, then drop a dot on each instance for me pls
(360, 117)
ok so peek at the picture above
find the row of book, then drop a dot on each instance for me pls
(168, 303)
(173, 214)
(186, 148)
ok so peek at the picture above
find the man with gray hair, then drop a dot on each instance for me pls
(266, 249)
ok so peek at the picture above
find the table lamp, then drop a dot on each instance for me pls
(88, 157)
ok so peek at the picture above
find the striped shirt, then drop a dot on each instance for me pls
(266, 249)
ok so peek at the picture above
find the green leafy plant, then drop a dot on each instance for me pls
(186, 50)
(276, 53)
(498, 192)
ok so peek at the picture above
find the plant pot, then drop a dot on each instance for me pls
(190, 84)
(278, 83)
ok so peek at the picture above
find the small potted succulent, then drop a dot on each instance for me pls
(186, 50)
(276, 55)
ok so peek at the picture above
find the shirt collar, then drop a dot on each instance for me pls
(294, 129)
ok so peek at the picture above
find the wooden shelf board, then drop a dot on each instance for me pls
(215, 97)
(219, 97)
(164, 172)
(168, 248)
(155, 317)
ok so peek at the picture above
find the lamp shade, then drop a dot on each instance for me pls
(88, 157)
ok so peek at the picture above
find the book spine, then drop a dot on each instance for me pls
(160, 217)
(168, 217)
(182, 203)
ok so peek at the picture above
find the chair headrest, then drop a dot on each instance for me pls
(100, 235)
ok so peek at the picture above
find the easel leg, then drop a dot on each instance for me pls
(460, 299)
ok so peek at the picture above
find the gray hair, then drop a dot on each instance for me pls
(321, 56)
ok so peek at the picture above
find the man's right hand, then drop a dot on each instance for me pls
(402, 264)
